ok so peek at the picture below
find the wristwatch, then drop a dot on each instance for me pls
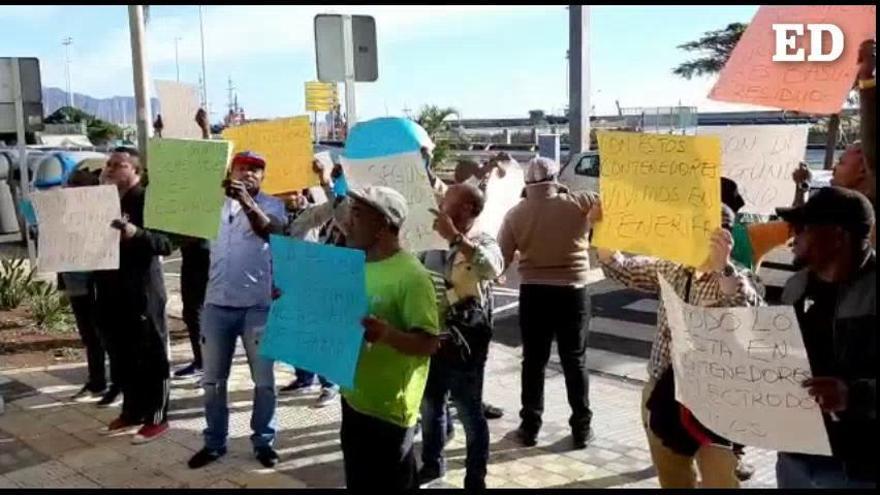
(804, 186)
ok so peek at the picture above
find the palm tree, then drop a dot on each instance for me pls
(433, 119)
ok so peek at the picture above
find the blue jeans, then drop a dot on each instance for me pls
(813, 471)
(221, 328)
(307, 376)
(465, 387)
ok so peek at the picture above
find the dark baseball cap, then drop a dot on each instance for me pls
(833, 205)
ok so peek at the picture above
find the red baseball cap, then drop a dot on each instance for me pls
(249, 158)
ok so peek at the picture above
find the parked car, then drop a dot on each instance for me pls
(581, 173)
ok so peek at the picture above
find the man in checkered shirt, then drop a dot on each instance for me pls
(718, 283)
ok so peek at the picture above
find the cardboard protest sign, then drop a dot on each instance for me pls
(405, 174)
(186, 194)
(739, 371)
(75, 231)
(286, 144)
(502, 194)
(751, 76)
(178, 103)
(761, 159)
(386, 152)
(661, 195)
(315, 324)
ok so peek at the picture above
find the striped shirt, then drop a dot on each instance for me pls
(640, 273)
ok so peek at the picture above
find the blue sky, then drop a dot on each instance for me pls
(486, 61)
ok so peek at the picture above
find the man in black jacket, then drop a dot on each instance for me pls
(131, 302)
(835, 300)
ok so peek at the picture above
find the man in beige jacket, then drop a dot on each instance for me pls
(549, 229)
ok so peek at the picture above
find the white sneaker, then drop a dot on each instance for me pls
(327, 397)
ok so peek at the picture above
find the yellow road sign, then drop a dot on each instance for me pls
(320, 97)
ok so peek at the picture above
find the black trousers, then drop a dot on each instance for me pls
(377, 454)
(85, 312)
(138, 343)
(194, 267)
(547, 312)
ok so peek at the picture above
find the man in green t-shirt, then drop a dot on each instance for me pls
(379, 414)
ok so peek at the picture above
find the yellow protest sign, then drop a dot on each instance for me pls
(661, 195)
(286, 144)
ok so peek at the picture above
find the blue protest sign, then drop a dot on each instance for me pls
(315, 323)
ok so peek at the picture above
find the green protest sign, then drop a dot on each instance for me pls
(185, 195)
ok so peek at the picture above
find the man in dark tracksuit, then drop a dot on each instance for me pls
(131, 302)
(835, 299)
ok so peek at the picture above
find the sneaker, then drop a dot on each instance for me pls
(429, 474)
(148, 433)
(188, 371)
(204, 457)
(267, 457)
(492, 412)
(110, 398)
(87, 393)
(527, 437)
(580, 439)
(327, 397)
(119, 425)
(298, 387)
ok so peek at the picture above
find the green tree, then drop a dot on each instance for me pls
(433, 119)
(713, 48)
(98, 131)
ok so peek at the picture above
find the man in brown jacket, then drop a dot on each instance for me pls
(549, 229)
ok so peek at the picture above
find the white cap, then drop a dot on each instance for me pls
(541, 170)
(387, 201)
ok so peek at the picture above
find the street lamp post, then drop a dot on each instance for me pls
(204, 75)
(177, 57)
(67, 42)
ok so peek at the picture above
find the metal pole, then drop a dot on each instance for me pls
(177, 57)
(831, 140)
(21, 138)
(141, 93)
(348, 52)
(204, 73)
(579, 78)
(67, 42)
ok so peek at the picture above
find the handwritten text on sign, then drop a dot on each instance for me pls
(661, 195)
(186, 194)
(315, 324)
(178, 103)
(760, 159)
(405, 173)
(75, 232)
(751, 75)
(286, 144)
(739, 370)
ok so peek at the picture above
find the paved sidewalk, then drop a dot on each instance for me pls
(48, 441)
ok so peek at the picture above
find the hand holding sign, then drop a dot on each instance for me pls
(444, 225)
(375, 329)
(830, 393)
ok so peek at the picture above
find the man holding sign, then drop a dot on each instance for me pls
(835, 300)
(131, 302)
(379, 414)
(237, 305)
(717, 282)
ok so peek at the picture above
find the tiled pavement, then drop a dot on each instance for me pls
(48, 441)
